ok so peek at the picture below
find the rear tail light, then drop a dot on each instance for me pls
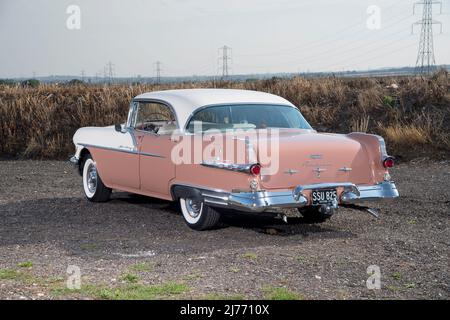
(255, 169)
(388, 162)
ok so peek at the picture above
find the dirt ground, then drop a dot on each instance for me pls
(143, 243)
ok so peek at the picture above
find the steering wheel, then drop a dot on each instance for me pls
(162, 116)
(262, 124)
(150, 127)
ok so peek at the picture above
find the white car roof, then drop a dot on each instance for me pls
(186, 101)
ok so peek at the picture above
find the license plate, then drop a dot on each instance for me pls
(323, 196)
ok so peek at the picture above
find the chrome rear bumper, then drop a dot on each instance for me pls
(260, 201)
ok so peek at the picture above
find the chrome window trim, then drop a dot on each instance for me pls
(193, 113)
(131, 114)
(165, 103)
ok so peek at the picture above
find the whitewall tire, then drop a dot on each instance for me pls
(197, 215)
(93, 186)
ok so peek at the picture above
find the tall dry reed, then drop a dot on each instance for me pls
(412, 113)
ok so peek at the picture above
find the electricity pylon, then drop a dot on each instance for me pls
(225, 58)
(425, 58)
(158, 70)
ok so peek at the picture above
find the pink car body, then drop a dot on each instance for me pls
(316, 172)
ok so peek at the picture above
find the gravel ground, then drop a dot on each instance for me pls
(46, 222)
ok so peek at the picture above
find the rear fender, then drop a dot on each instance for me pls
(185, 192)
(375, 147)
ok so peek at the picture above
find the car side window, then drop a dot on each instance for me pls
(155, 117)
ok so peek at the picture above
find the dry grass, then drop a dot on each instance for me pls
(360, 125)
(414, 118)
(409, 136)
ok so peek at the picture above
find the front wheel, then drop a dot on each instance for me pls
(93, 186)
(197, 215)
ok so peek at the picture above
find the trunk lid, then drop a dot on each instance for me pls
(311, 158)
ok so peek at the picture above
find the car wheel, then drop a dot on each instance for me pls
(315, 214)
(93, 186)
(197, 215)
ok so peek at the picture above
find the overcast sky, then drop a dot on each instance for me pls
(265, 35)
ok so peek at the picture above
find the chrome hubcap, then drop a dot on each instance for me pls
(92, 178)
(193, 207)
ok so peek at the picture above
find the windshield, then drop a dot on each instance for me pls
(247, 117)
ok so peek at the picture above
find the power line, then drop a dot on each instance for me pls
(360, 41)
(225, 59)
(348, 51)
(371, 58)
(426, 62)
(326, 40)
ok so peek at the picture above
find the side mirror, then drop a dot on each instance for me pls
(118, 128)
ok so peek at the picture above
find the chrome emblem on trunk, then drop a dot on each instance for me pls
(318, 171)
(316, 156)
(345, 169)
(291, 172)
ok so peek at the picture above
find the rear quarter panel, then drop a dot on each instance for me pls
(372, 147)
(192, 172)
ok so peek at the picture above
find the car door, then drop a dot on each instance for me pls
(116, 155)
(155, 123)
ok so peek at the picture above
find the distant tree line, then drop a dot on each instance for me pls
(34, 83)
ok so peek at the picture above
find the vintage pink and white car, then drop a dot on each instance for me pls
(217, 149)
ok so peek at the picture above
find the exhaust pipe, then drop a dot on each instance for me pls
(373, 212)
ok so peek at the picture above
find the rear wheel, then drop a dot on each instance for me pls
(315, 214)
(93, 186)
(197, 215)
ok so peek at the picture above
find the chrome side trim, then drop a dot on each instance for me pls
(228, 166)
(151, 155)
(124, 150)
(109, 148)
